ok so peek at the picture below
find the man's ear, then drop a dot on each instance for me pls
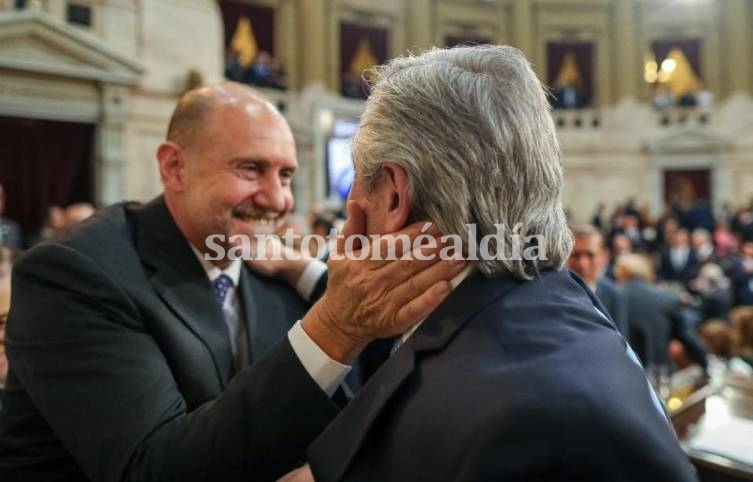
(171, 161)
(397, 193)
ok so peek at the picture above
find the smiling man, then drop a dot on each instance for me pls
(132, 357)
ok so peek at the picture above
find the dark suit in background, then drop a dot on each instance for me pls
(510, 381)
(613, 299)
(654, 318)
(121, 367)
(668, 271)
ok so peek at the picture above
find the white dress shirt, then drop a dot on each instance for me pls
(326, 372)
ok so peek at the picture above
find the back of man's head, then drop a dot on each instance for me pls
(472, 128)
(634, 267)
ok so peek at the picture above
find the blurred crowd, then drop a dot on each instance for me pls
(265, 70)
(679, 287)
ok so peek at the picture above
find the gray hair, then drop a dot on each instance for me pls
(472, 128)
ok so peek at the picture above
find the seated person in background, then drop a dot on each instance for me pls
(742, 323)
(10, 231)
(654, 314)
(713, 291)
(589, 259)
(717, 335)
(517, 375)
(742, 273)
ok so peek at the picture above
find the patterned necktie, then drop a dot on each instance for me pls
(236, 326)
(221, 286)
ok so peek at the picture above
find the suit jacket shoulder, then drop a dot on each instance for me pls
(506, 381)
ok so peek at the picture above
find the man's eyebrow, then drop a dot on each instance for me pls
(265, 162)
(257, 160)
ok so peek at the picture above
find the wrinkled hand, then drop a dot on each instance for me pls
(299, 475)
(372, 298)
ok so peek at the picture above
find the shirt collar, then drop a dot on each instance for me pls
(454, 282)
(233, 270)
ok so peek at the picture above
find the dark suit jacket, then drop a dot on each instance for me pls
(121, 366)
(614, 301)
(506, 381)
(668, 272)
(655, 318)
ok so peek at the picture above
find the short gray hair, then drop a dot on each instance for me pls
(472, 128)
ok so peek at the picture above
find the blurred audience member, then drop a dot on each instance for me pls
(620, 245)
(701, 243)
(679, 262)
(75, 213)
(714, 292)
(589, 259)
(742, 274)
(598, 218)
(10, 232)
(52, 222)
(718, 337)
(724, 239)
(742, 322)
(654, 315)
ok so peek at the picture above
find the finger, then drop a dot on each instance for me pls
(299, 475)
(422, 306)
(422, 280)
(409, 266)
(355, 224)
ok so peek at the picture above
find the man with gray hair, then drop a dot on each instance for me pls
(517, 375)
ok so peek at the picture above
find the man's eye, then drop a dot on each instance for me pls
(287, 174)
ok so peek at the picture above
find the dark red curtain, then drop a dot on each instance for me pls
(44, 163)
(690, 47)
(678, 182)
(584, 51)
(262, 21)
(453, 41)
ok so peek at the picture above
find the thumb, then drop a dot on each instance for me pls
(355, 224)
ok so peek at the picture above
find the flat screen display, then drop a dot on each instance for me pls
(340, 171)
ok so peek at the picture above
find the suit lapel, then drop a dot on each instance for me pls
(333, 452)
(262, 311)
(181, 282)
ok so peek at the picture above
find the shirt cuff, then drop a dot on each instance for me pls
(311, 275)
(326, 372)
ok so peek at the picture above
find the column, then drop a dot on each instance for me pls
(523, 27)
(312, 43)
(626, 68)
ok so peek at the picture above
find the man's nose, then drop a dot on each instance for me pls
(273, 196)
